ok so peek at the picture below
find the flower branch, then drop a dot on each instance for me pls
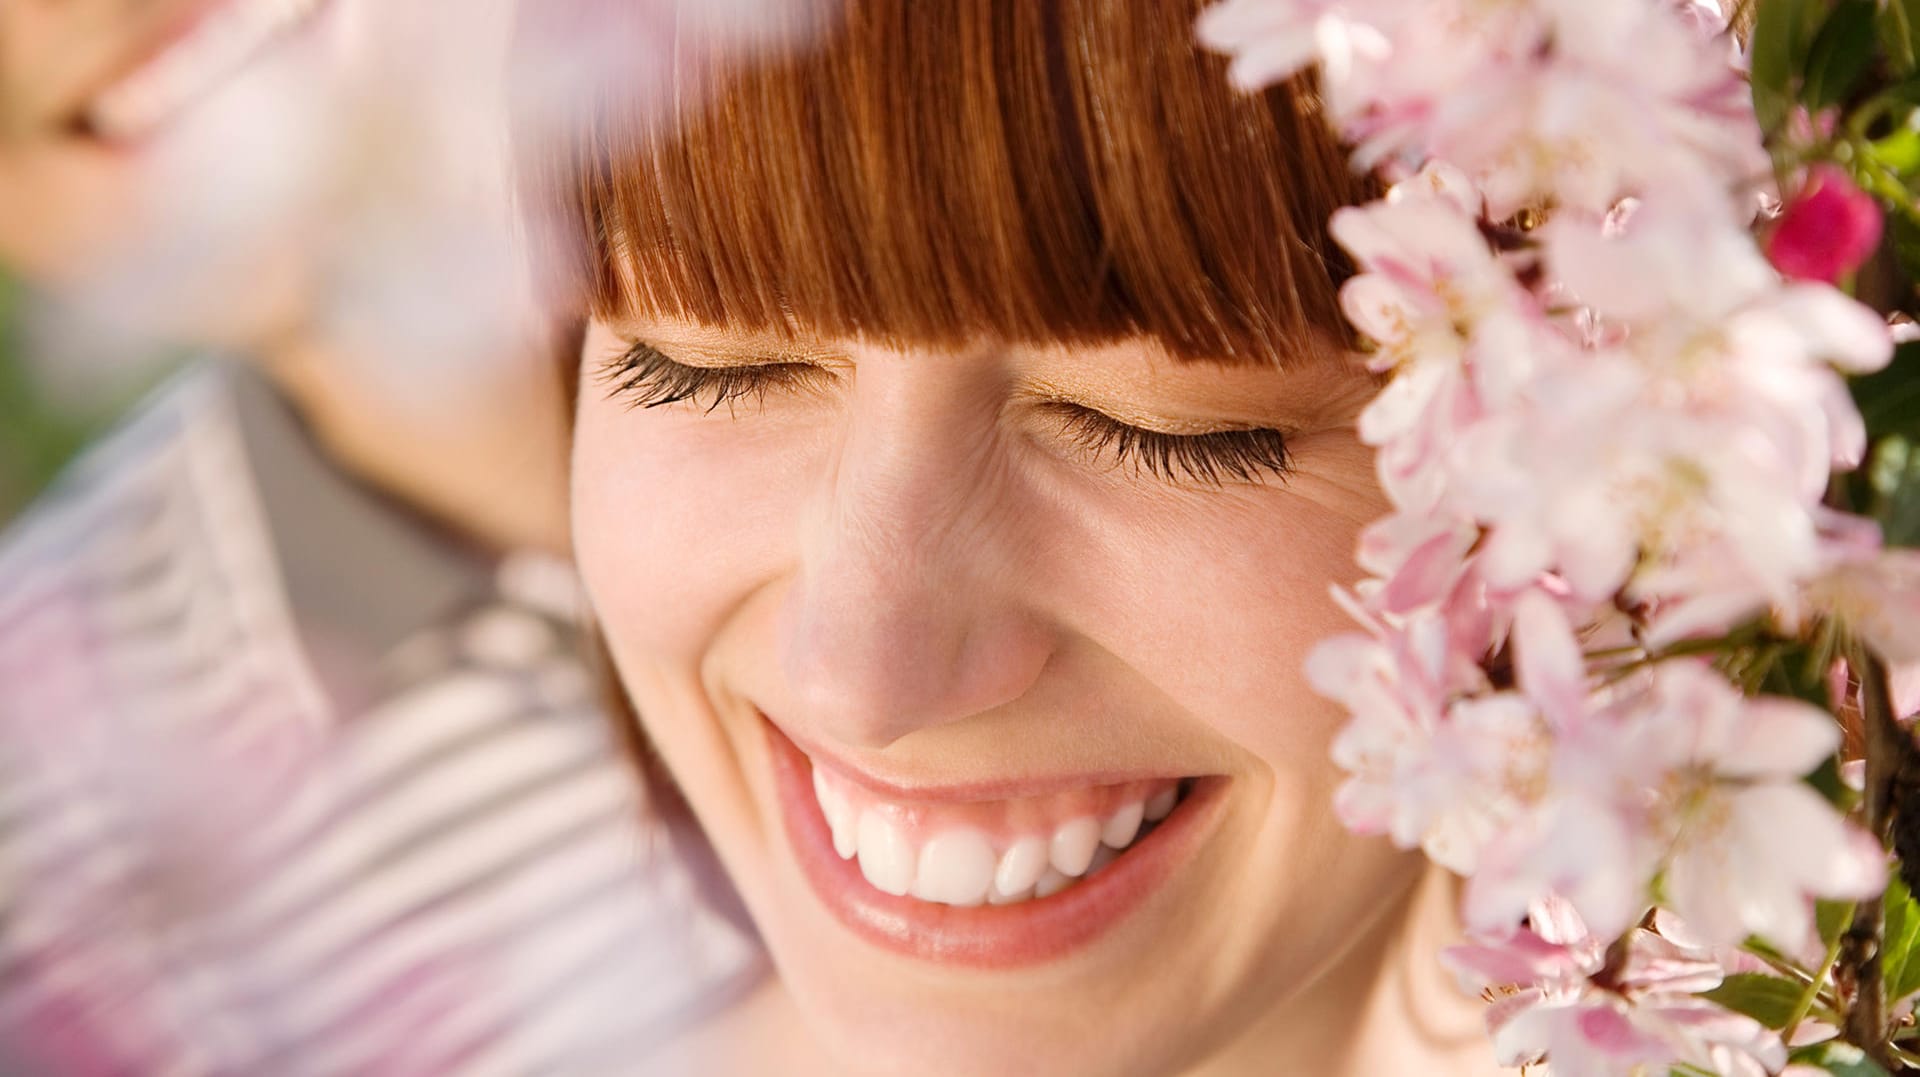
(1601, 624)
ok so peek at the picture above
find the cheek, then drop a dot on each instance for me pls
(1219, 606)
(675, 524)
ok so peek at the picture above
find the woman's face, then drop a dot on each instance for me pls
(940, 611)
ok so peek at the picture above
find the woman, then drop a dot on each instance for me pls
(963, 455)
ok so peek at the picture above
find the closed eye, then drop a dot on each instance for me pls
(645, 377)
(1211, 458)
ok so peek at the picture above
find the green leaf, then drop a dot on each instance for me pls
(1904, 237)
(1782, 32)
(1799, 670)
(1889, 399)
(1899, 152)
(1839, 1059)
(1840, 53)
(1832, 918)
(1900, 938)
(1769, 1000)
(1826, 781)
(1900, 34)
(1892, 485)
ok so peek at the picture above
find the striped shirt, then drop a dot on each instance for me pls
(292, 784)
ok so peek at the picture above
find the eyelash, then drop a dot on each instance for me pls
(1209, 459)
(646, 378)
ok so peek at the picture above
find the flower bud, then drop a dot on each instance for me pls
(1827, 230)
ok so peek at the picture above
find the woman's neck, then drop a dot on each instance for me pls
(1385, 1006)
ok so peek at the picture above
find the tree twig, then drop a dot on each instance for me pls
(1889, 752)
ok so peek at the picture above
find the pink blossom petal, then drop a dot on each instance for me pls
(1551, 670)
(1501, 1013)
(1655, 963)
(1270, 41)
(1401, 405)
(1336, 663)
(1427, 574)
(1554, 919)
(1609, 1030)
(1741, 1045)
(1376, 306)
(1904, 682)
(1881, 601)
(1522, 958)
(1364, 806)
(1779, 738)
(1840, 329)
(1263, 64)
(1523, 1033)
(1719, 900)
(1513, 557)
(1793, 829)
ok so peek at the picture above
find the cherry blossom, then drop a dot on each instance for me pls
(1608, 430)
(1876, 595)
(1751, 842)
(1274, 39)
(1554, 997)
(1640, 98)
(1419, 770)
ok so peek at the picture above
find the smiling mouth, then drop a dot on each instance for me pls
(215, 44)
(1000, 852)
(988, 883)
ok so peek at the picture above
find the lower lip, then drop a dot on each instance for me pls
(986, 936)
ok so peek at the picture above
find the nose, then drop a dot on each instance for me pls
(908, 608)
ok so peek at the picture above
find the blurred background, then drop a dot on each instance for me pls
(304, 766)
(43, 423)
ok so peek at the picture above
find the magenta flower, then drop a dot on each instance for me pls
(1827, 230)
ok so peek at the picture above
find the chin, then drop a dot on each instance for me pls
(1134, 920)
(924, 975)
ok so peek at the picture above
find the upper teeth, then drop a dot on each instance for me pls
(955, 863)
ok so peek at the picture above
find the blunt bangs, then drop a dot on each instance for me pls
(931, 173)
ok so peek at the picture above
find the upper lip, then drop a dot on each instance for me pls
(1012, 787)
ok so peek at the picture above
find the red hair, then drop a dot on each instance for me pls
(1067, 170)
